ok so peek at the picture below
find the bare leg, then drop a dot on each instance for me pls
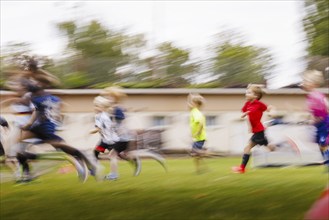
(113, 164)
(271, 147)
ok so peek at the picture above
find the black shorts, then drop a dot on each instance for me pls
(259, 138)
(101, 147)
(121, 146)
(118, 146)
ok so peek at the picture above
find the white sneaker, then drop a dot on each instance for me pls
(112, 176)
(80, 167)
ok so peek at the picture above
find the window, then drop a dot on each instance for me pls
(158, 121)
(211, 120)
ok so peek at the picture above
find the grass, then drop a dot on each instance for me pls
(271, 193)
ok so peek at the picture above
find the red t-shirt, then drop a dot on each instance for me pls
(256, 109)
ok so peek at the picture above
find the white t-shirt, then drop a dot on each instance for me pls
(22, 119)
(106, 126)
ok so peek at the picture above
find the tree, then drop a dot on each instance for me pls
(316, 26)
(15, 57)
(237, 64)
(97, 51)
(11, 54)
(172, 65)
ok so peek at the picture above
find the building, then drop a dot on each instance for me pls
(165, 111)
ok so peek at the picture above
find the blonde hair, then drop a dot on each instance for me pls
(114, 91)
(314, 76)
(103, 102)
(195, 100)
(257, 89)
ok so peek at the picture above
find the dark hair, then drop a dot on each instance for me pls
(30, 86)
(32, 65)
(33, 88)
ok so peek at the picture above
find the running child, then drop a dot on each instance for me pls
(115, 95)
(42, 125)
(198, 130)
(253, 109)
(105, 126)
(318, 106)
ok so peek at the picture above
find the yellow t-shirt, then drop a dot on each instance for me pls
(197, 122)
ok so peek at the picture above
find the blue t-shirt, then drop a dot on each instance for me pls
(47, 107)
(119, 114)
(120, 127)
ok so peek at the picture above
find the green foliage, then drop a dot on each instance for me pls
(213, 84)
(316, 26)
(104, 57)
(97, 50)
(173, 63)
(76, 80)
(238, 64)
(138, 85)
(260, 194)
(159, 83)
(2, 83)
(68, 26)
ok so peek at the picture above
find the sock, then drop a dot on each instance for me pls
(245, 159)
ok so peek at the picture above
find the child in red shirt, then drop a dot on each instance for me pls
(254, 109)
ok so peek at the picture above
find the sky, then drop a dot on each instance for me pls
(275, 25)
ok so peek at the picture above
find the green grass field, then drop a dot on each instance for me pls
(268, 193)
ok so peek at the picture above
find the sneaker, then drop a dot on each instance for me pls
(111, 176)
(25, 178)
(80, 166)
(238, 169)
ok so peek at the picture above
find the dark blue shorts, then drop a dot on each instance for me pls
(46, 131)
(198, 145)
(322, 132)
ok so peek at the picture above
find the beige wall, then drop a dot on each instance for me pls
(229, 134)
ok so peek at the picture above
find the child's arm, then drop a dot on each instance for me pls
(32, 119)
(244, 114)
(244, 110)
(96, 130)
(199, 130)
(270, 108)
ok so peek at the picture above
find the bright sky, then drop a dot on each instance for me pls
(189, 24)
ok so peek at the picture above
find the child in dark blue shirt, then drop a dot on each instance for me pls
(43, 123)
